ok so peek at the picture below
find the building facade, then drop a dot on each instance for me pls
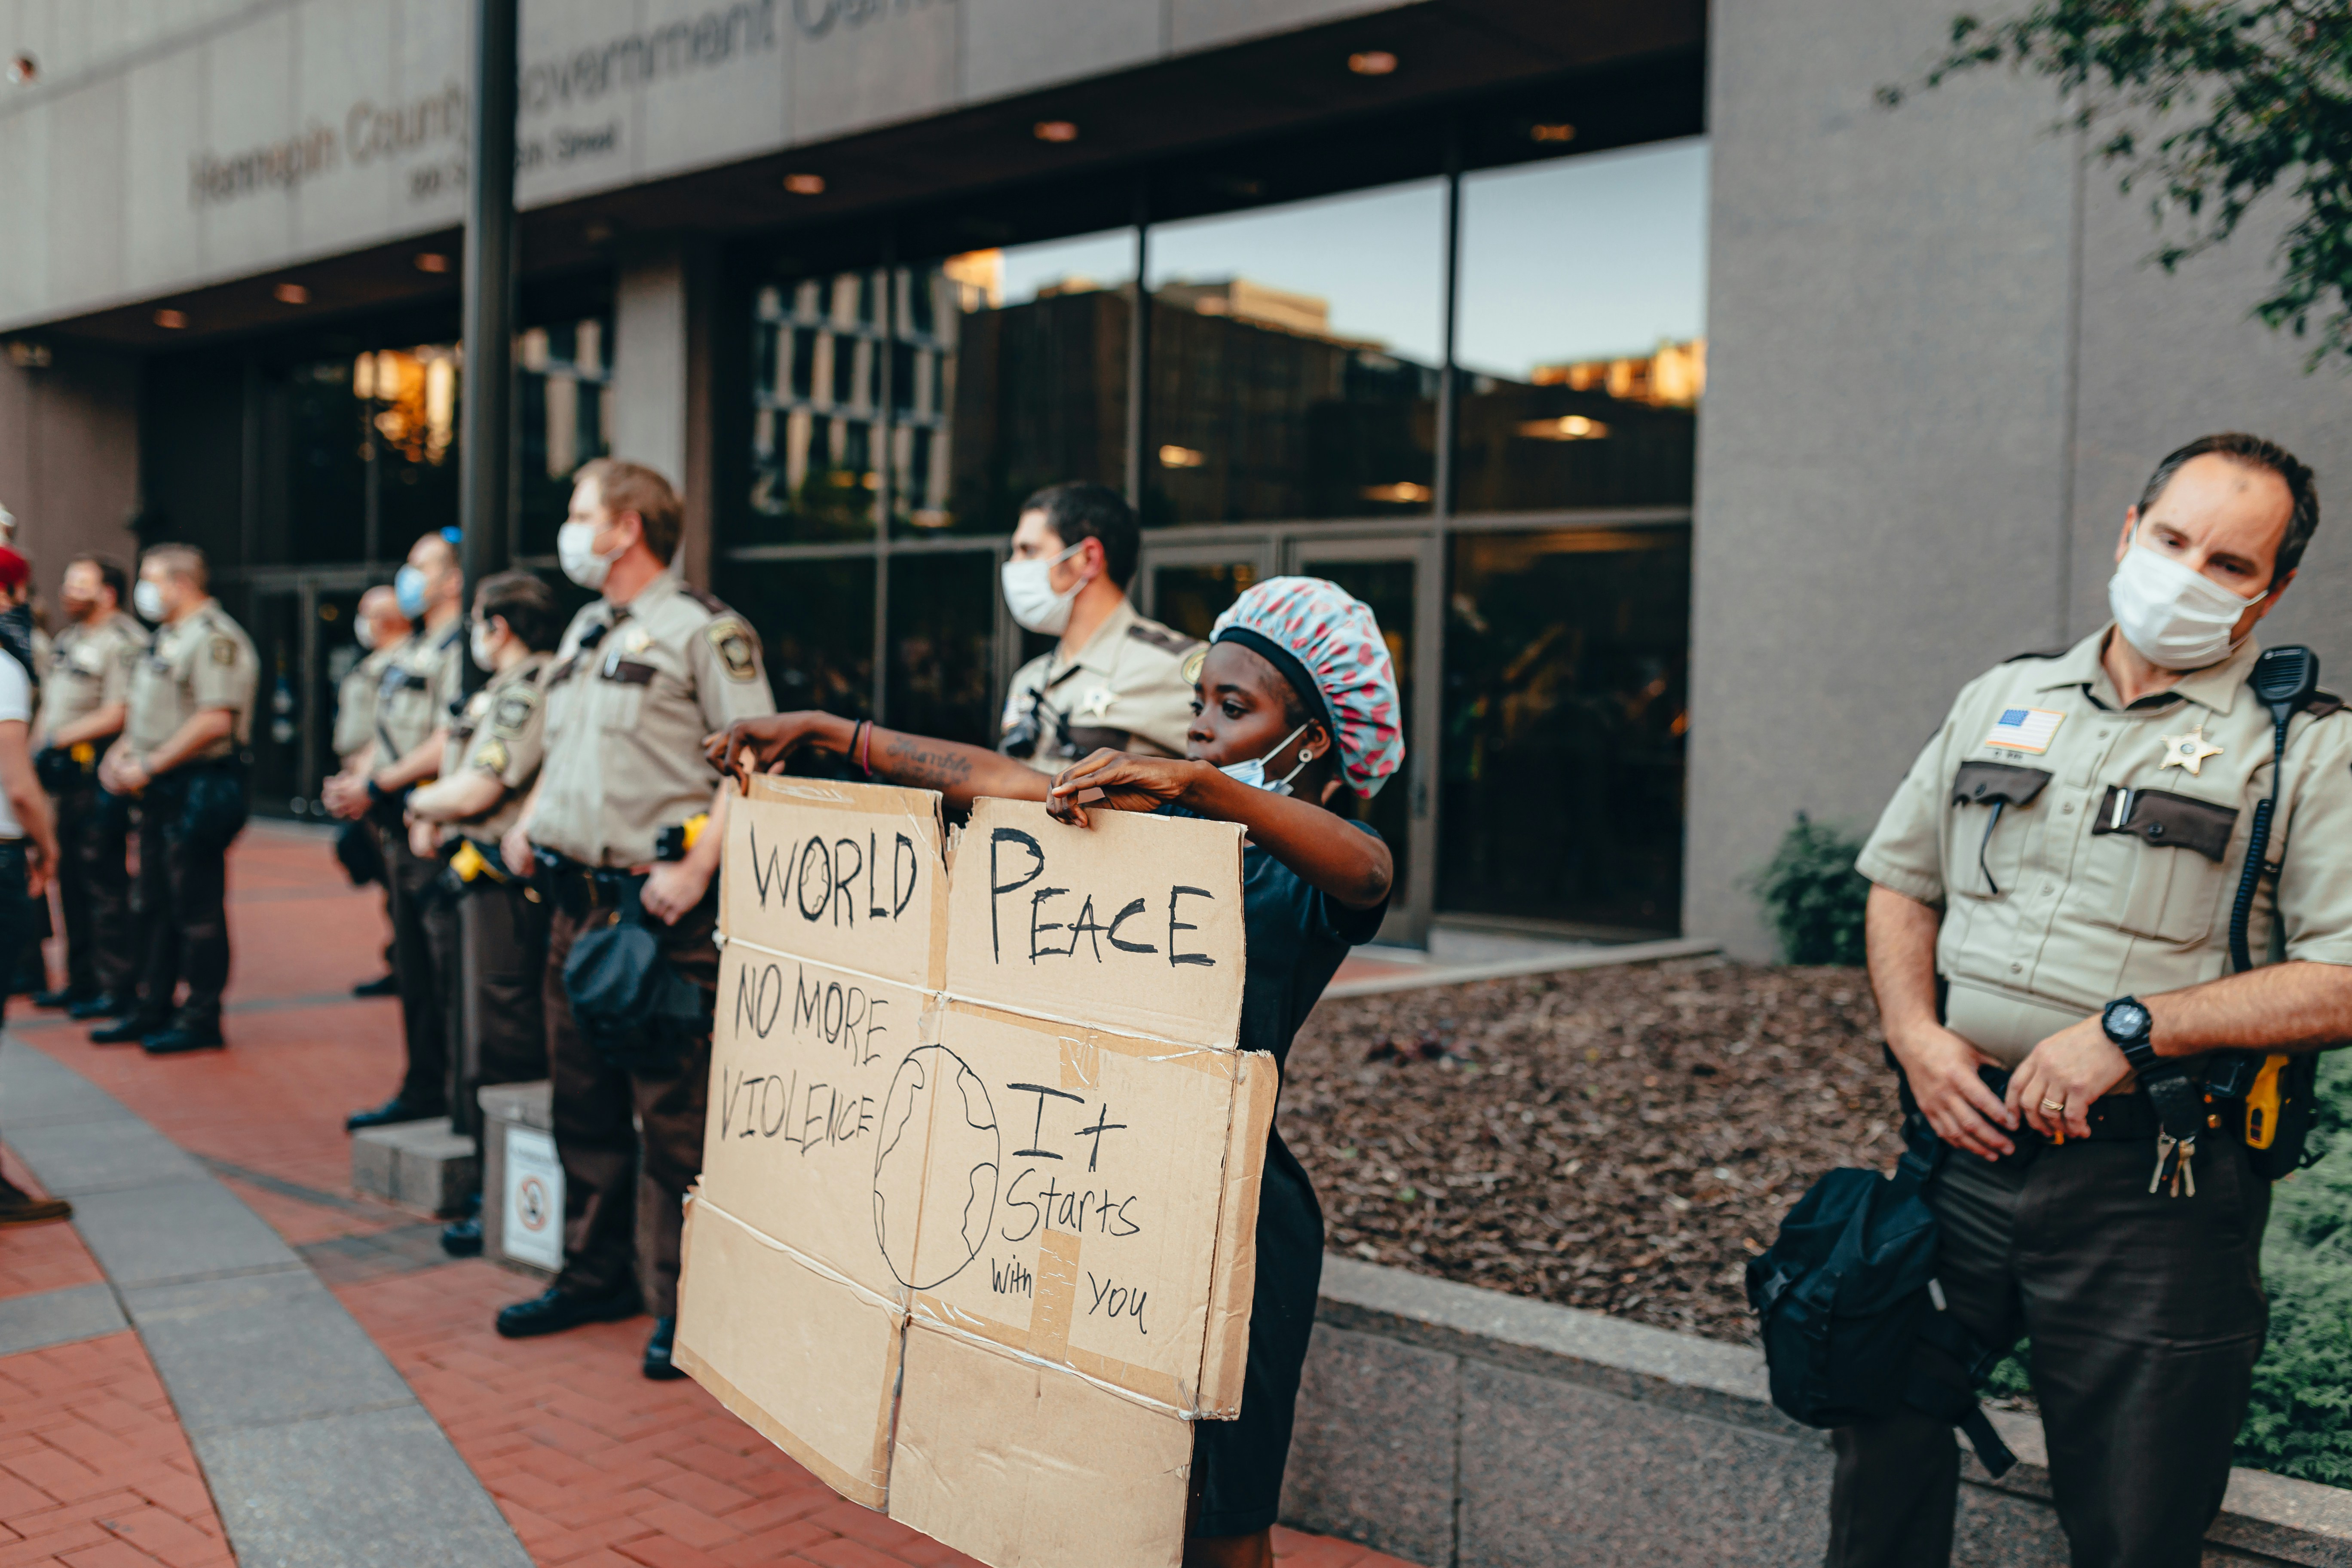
(1429, 297)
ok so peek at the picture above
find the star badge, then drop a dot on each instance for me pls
(1095, 703)
(2188, 752)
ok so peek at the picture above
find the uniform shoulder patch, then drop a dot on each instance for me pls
(223, 650)
(731, 640)
(1193, 663)
(514, 710)
(1153, 635)
(2038, 653)
(491, 757)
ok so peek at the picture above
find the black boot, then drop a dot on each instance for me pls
(384, 986)
(462, 1236)
(128, 1030)
(104, 1005)
(18, 1207)
(391, 1111)
(64, 997)
(657, 1349)
(555, 1310)
(184, 1038)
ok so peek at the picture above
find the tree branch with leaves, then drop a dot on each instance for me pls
(2206, 108)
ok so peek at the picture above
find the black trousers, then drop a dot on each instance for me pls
(424, 1004)
(2147, 1316)
(490, 947)
(16, 919)
(94, 890)
(182, 896)
(623, 1194)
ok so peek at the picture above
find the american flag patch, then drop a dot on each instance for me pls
(2025, 729)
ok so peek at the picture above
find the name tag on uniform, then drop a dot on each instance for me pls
(2025, 729)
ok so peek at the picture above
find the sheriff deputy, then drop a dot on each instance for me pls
(182, 753)
(2062, 866)
(641, 675)
(84, 701)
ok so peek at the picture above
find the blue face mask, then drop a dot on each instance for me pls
(1252, 774)
(408, 588)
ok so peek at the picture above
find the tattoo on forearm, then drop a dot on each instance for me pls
(911, 762)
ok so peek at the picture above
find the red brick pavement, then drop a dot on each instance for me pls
(593, 1465)
(94, 1469)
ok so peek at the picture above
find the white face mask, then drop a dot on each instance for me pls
(148, 599)
(576, 551)
(1029, 593)
(2176, 618)
(1252, 774)
(477, 642)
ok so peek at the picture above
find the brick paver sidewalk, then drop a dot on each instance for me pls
(593, 1466)
(94, 1469)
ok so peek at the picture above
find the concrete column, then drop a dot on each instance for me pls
(70, 456)
(662, 374)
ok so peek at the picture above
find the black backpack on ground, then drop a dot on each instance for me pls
(1844, 1295)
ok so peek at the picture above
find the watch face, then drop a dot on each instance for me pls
(2127, 1019)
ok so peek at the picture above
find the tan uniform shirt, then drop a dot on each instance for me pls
(205, 662)
(633, 691)
(355, 701)
(500, 730)
(414, 693)
(90, 668)
(2117, 877)
(1130, 689)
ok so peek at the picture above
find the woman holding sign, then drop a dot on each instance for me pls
(1294, 702)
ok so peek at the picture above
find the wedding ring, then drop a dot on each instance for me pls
(2052, 1106)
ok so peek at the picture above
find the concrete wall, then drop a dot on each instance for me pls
(1456, 1427)
(152, 155)
(69, 456)
(1939, 372)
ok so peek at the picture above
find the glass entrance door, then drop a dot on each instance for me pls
(301, 624)
(1398, 579)
(1188, 587)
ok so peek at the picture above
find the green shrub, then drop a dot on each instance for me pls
(2299, 1422)
(1813, 896)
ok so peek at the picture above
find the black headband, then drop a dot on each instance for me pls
(1287, 664)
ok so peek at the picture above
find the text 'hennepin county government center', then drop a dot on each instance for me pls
(1692, 426)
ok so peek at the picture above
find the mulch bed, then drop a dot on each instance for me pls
(1621, 1139)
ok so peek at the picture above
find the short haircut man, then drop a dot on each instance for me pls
(623, 486)
(185, 562)
(1080, 510)
(111, 575)
(526, 603)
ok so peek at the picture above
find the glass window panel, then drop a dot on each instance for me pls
(1293, 359)
(1583, 330)
(943, 646)
(1189, 597)
(1020, 381)
(327, 477)
(563, 381)
(1566, 691)
(414, 394)
(815, 621)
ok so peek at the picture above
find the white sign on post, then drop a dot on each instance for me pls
(534, 1231)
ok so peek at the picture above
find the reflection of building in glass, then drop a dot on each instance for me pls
(1674, 376)
(1041, 396)
(564, 383)
(818, 425)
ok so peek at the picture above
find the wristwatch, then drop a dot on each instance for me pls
(2165, 1080)
(2128, 1023)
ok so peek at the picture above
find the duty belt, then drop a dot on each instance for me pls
(579, 889)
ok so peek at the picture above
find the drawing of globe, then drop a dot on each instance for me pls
(935, 1092)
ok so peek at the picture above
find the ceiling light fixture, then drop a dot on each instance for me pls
(1174, 457)
(1056, 130)
(1567, 428)
(23, 70)
(1555, 132)
(171, 321)
(1372, 62)
(804, 184)
(432, 261)
(291, 294)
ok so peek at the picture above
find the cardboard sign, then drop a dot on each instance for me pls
(974, 1236)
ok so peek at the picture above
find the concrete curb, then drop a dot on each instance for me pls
(1509, 968)
(1561, 1435)
(318, 1453)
